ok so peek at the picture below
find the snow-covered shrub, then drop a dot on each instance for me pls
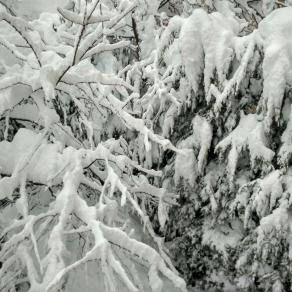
(71, 186)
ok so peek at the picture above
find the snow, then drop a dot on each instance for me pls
(12, 49)
(30, 155)
(207, 44)
(285, 152)
(248, 135)
(192, 48)
(270, 191)
(203, 133)
(79, 19)
(186, 163)
(275, 221)
(221, 237)
(275, 36)
(33, 8)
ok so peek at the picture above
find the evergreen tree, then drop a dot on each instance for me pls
(218, 86)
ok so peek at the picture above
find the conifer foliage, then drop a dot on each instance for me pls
(230, 78)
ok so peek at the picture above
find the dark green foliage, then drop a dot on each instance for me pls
(195, 261)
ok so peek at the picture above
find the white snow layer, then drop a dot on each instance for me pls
(217, 47)
(187, 165)
(276, 38)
